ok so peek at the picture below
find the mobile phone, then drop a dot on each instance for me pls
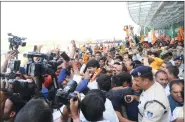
(65, 56)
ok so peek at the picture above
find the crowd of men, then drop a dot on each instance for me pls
(143, 84)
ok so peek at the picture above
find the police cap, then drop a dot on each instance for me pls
(141, 71)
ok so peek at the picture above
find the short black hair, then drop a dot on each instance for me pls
(149, 52)
(130, 57)
(17, 102)
(160, 71)
(36, 110)
(119, 57)
(125, 77)
(132, 64)
(104, 82)
(117, 63)
(148, 76)
(173, 70)
(124, 68)
(170, 54)
(137, 63)
(116, 80)
(103, 58)
(98, 52)
(164, 56)
(98, 92)
(112, 49)
(155, 54)
(92, 107)
(176, 82)
(93, 63)
(125, 53)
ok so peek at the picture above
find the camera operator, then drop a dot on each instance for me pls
(94, 101)
(9, 56)
(38, 110)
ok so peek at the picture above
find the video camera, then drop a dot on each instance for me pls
(43, 66)
(63, 96)
(15, 41)
(46, 64)
(13, 64)
(24, 88)
(9, 76)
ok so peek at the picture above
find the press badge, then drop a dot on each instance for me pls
(149, 114)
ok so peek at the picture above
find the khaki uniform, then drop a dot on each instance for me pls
(154, 105)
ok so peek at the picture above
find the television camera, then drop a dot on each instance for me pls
(63, 96)
(13, 64)
(16, 41)
(42, 66)
(45, 65)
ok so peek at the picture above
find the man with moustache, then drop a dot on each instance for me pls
(153, 104)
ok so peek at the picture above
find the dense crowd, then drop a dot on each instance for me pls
(143, 83)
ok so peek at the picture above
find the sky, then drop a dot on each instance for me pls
(64, 21)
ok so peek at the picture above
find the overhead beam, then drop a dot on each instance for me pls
(159, 7)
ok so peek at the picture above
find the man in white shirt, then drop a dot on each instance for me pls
(172, 72)
(161, 77)
(101, 108)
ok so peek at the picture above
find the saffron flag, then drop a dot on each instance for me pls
(153, 37)
(142, 38)
(181, 31)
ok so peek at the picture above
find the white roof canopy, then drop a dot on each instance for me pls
(156, 14)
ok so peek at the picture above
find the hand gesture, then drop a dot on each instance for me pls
(64, 65)
(11, 55)
(87, 75)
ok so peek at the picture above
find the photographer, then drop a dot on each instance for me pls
(94, 101)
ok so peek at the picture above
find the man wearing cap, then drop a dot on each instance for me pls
(178, 61)
(153, 104)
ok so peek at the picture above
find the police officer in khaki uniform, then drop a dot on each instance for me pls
(153, 104)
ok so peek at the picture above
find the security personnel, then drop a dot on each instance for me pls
(153, 104)
(178, 61)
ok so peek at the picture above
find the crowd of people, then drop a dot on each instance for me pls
(145, 83)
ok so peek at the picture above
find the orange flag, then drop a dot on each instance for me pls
(181, 31)
(153, 37)
(85, 58)
(126, 30)
(178, 37)
(142, 38)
